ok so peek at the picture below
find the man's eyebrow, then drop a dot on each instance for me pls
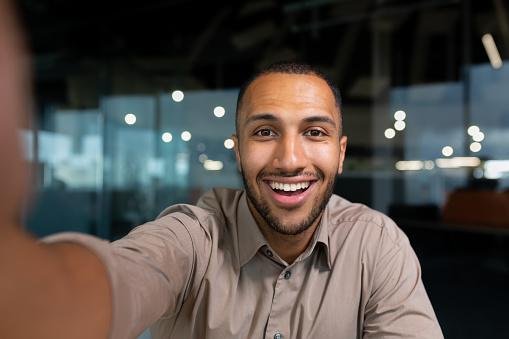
(272, 117)
(320, 118)
(261, 116)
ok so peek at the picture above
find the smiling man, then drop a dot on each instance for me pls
(289, 149)
(284, 258)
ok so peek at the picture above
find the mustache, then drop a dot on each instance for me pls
(315, 175)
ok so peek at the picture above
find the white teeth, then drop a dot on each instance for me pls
(289, 187)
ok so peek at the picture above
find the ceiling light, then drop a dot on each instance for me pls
(228, 144)
(458, 162)
(389, 133)
(177, 95)
(399, 125)
(213, 165)
(409, 165)
(400, 115)
(219, 111)
(130, 119)
(473, 130)
(475, 147)
(478, 137)
(447, 151)
(492, 51)
(186, 136)
(167, 137)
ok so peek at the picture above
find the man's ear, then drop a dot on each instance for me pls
(342, 152)
(237, 151)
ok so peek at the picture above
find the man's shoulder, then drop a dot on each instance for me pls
(213, 209)
(360, 218)
(342, 210)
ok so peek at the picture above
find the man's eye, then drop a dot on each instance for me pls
(265, 133)
(314, 133)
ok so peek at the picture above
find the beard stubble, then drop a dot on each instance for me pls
(276, 223)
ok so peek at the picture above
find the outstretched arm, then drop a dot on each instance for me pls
(51, 291)
(46, 291)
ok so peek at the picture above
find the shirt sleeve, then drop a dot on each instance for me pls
(398, 306)
(150, 271)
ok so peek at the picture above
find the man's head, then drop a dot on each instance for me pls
(289, 145)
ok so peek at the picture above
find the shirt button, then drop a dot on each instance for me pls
(288, 274)
(278, 336)
(269, 253)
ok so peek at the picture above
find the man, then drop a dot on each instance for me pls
(283, 259)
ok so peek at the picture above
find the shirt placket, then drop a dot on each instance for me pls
(278, 326)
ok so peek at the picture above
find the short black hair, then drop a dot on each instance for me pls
(289, 67)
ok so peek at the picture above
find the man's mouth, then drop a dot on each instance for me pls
(289, 188)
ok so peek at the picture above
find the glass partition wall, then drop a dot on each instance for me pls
(121, 164)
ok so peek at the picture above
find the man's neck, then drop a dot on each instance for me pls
(288, 247)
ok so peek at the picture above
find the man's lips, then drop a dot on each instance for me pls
(289, 192)
(289, 186)
(290, 179)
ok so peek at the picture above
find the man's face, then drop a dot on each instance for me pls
(289, 149)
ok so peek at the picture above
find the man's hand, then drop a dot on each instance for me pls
(46, 291)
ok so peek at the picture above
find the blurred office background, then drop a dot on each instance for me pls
(135, 105)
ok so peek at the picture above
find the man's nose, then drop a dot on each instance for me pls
(290, 154)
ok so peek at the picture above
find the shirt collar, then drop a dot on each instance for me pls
(322, 235)
(251, 238)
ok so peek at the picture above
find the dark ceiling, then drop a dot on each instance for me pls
(217, 44)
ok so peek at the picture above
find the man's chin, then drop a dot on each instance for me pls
(289, 230)
(289, 218)
(294, 226)
(284, 219)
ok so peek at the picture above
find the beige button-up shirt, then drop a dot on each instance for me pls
(206, 271)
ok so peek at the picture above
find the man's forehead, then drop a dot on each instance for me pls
(298, 90)
(274, 83)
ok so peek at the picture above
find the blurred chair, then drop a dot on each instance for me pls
(477, 207)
